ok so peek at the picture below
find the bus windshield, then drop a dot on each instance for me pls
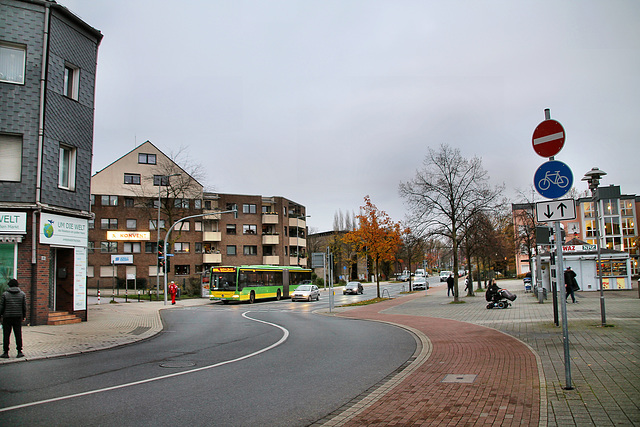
(223, 281)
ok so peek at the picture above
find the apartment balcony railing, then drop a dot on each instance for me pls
(297, 241)
(271, 260)
(212, 236)
(270, 218)
(212, 258)
(270, 239)
(294, 261)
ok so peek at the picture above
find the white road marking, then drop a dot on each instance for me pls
(163, 377)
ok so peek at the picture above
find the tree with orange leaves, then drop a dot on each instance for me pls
(376, 236)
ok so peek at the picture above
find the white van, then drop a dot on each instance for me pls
(420, 272)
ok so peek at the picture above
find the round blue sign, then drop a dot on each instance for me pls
(553, 179)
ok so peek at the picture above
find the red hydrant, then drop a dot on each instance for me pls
(173, 290)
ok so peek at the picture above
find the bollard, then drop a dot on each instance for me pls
(98, 296)
(138, 295)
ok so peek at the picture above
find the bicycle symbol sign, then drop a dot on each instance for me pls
(553, 179)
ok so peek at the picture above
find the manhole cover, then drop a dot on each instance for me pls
(177, 364)
(454, 378)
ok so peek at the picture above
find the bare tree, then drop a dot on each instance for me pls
(446, 193)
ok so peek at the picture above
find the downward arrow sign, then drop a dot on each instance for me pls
(548, 213)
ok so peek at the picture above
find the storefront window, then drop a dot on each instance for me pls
(7, 263)
(614, 268)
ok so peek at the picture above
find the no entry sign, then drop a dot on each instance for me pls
(548, 138)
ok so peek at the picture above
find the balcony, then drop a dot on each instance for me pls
(297, 241)
(270, 218)
(294, 261)
(212, 258)
(213, 217)
(212, 236)
(298, 222)
(270, 239)
(271, 260)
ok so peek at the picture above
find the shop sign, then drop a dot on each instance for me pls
(128, 235)
(579, 248)
(80, 279)
(13, 222)
(63, 230)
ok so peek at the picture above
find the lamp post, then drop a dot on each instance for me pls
(298, 238)
(161, 180)
(593, 179)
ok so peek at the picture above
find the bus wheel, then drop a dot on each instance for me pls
(252, 297)
(278, 296)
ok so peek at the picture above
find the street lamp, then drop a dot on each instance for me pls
(593, 179)
(161, 179)
(298, 238)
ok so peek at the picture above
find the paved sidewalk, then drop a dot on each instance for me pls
(604, 363)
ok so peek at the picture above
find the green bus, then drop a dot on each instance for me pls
(252, 282)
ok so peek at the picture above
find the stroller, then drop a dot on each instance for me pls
(498, 298)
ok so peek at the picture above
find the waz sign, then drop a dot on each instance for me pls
(556, 210)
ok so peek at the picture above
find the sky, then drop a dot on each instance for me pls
(326, 102)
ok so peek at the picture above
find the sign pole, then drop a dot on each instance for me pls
(563, 305)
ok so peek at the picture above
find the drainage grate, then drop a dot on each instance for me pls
(463, 379)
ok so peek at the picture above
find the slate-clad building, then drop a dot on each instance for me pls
(48, 59)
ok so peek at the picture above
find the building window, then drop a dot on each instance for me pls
(628, 228)
(132, 224)
(207, 204)
(181, 247)
(231, 249)
(181, 203)
(129, 202)
(92, 224)
(109, 200)
(91, 247)
(197, 225)
(71, 81)
(109, 223)
(249, 229)
(108, 271)
(12, 63)
(152, 224)
(198, 247)
(132, 178)
(197, 204)
(231, 229)
(626, 207)
(250, 250)
(147, 159)
(10, 158)
(182, 270)
(109, 247)
(611, 226)
(93, 200)
(149, 247)
(160, 180)
(90, 271)
(182, 226)
(67, 168)
(248, 209)
(132, 247)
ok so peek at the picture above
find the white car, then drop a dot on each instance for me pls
(306, 293)
(444, 275)
(420, 282)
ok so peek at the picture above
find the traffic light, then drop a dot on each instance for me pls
(161, 256)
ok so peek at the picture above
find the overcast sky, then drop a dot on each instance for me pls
(324, 102)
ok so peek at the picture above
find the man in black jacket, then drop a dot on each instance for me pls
(13, 310)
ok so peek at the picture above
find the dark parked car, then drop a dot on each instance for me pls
(353, 288)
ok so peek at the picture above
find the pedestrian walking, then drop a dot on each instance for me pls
(467, 283)
(450, 285)
(570, 284)
(173, 290)
(13, 310)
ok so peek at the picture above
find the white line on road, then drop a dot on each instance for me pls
(163, 377)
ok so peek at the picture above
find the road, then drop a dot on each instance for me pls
(271, 363)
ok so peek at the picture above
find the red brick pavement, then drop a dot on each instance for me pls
(505, 392)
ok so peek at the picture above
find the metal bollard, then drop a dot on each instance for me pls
(98, 296)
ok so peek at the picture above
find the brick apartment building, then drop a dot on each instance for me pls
(48, 59)
(125, 199)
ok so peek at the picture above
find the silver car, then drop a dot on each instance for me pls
(306, 293)
(420, 282)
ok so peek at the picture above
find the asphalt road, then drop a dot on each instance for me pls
(271, 363)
